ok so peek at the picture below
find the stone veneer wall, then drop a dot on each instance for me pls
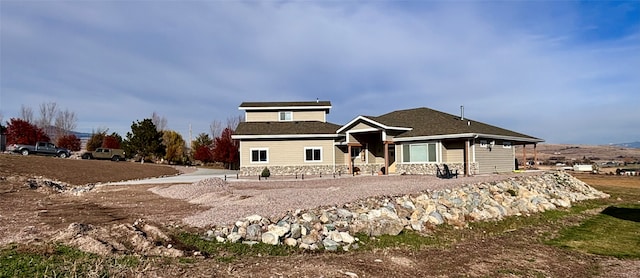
(293, 170)
(430, 168)
(367, 169)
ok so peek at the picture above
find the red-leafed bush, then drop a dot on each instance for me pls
(70, 142)
(226, 149)
(204, 154)
(111, 142)
(22, 132)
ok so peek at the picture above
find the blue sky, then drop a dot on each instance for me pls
(564, 71)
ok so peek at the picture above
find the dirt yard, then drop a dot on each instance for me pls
(31, 216)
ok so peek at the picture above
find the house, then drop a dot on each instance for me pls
(294, 138)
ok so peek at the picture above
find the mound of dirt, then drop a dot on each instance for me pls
(137, 238)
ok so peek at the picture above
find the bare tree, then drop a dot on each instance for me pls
(233, 122)
(216, 128)
(66, 121)
(26, 114)
(159, 121)
(48, 111)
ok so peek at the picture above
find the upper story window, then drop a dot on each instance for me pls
(286, 116)
(506, 145)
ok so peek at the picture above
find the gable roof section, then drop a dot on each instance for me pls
(302, 105)
(293, 129)
(425, 123)
(369, 120)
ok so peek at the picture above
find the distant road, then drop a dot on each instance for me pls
(200, 174)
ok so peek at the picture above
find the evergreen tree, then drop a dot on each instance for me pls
(144, 140)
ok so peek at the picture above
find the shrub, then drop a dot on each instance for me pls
(265, 173)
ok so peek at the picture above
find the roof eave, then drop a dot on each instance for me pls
(284, 136)
(286, 107)
(467, 135)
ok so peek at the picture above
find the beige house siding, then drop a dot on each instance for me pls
(261, 116)
(286, 152)
(341, 155)
(274, 116)
(453, 152)
(309, 116)
(362, 126)
(495, 159)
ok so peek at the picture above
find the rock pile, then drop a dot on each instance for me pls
(331, 228)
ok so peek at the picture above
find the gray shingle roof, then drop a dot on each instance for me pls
(286, 128)
(284, 104)
(429, 122)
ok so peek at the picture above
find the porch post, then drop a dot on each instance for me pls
(350, 160)
(524, 156)
(386, 158)
(467, 167)
(535, 154)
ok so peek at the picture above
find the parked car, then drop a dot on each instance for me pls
(105, 153)
(42, 148)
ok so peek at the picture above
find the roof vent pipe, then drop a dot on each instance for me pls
(462, 112)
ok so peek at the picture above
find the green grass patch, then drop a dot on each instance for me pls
(614, 232)
(48, 261)
(228, 252)
(57, 260)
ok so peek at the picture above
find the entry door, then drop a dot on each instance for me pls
(392, 158)
(355, 155)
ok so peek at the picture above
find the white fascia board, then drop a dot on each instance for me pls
(510, 138)
(371, 122)
(284, 136)
(286, 108)
(434, 137)
(466, 135)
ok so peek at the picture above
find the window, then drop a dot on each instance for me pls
(419, 153)
(313, 154)
(506, 145)
(259, 155)
(286, 116)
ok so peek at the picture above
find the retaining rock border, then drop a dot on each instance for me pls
(331, 228)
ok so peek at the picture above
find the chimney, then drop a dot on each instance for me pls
(462, 112)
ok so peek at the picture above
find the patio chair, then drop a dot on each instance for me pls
(448, 173)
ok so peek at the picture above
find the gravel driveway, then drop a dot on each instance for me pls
(232, 201)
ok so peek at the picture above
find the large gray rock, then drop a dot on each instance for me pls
(254, 232)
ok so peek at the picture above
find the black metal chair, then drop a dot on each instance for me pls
(448, 173)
